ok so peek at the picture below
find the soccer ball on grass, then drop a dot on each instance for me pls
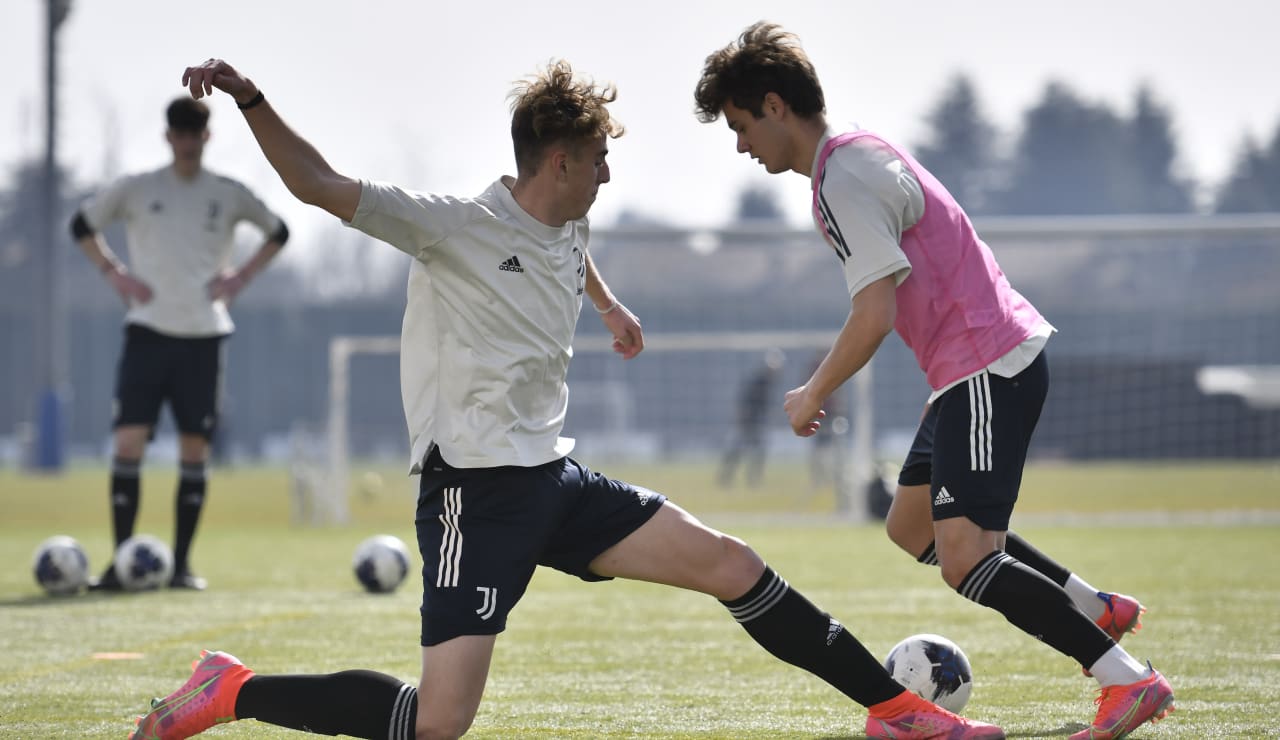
(61, 566)
(934, 668)
(381, 562)
(143, 562)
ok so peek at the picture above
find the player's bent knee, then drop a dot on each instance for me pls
(738, 569)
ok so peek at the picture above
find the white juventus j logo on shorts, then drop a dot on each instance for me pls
(451, 543)
(980, 413)
(490, 596)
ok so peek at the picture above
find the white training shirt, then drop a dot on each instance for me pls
(874, 197)
(179, 237)
(493, 302)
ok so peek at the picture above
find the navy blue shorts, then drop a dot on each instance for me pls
(483, 531)
(972, 445)
(185, 371)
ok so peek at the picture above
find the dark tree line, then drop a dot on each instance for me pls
(1076, 156)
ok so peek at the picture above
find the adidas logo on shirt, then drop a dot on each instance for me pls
(511, 265)
(943, 497)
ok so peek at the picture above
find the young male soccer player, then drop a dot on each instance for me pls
(493, 299)
(913, 262)
(180, 222)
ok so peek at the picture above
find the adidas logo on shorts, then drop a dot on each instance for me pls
(943, 497)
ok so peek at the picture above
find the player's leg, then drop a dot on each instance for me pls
(195, 392)
(909, 525)
(358, 703)
(369, 704)
(193, 482)
(981, 436)
(135, 409)
(756, 451)
(675, 549)
(729, 461)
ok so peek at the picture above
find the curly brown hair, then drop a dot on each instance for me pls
(765, 59)
(553, 107)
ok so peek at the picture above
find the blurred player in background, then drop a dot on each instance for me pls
(912, 261)
(495, 290)
(180, 223)
(748, 438)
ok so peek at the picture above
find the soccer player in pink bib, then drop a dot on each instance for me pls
(913, 262)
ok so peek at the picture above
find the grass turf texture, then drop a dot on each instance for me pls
(623, 659)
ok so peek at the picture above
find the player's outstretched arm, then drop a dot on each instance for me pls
(307, 175)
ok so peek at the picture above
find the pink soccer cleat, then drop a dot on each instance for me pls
(930, 722)
(208, 698)
(1121, 709)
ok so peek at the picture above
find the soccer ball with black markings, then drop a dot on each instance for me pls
(143, 562)
(61, 566)
(932, 667)
(381, 563)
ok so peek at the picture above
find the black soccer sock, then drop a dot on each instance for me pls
(192, 484)
(125, 491)
(356, 703)
(1036, 605)
(794, 630)
(1023, 552)
(1028, 555)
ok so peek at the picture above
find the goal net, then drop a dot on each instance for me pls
(1167, 349)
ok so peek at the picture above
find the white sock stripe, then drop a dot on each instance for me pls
(451, 543)
(981, 577)
(129, 469)
(771, 595)
(932, 559)
(991, 413)
(400, 728)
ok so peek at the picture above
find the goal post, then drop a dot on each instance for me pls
(857, 461)
(333, 507)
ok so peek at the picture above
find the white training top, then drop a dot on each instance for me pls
(875, 197)
(493, 302)
(180, 235)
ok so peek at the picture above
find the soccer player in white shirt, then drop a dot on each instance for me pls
(180, 222)
(494, 296)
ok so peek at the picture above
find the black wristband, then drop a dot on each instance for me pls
(256, 99)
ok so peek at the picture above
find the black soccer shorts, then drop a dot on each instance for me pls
(483, 531)
(972, 445)
(185, 371)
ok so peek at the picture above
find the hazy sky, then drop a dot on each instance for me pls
(415, 92)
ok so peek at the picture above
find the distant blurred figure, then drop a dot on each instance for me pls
(826, 468)
(180, 221)
(748, 436)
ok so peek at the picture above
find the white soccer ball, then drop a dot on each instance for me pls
(381, 563)
(932, 667)
(61, 566)
(143, 562)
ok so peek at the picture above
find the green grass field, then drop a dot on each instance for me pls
(1198, 544)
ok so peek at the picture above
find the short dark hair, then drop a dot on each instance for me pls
(765, 59)
(187, 114)
(555, 106)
